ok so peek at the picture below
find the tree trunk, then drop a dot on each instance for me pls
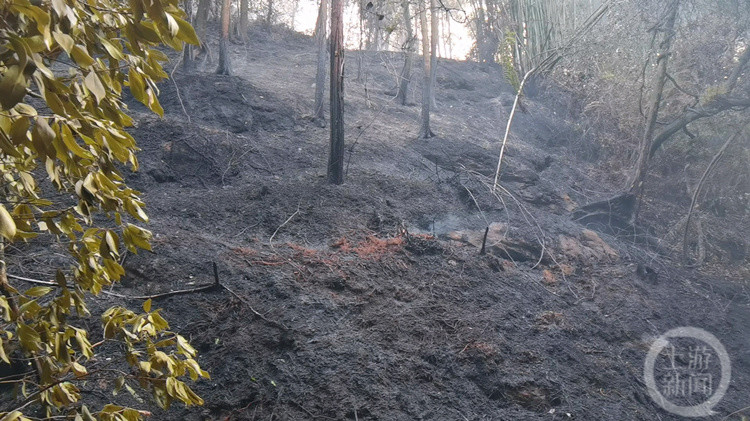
(405, 76)
(425, 132)
(188, 62)
(244, 6)
(481, 37)
(435, 36)
(269, 13)
(336, 157)
(319, 115)
(225, 67)
(621, 211)
(662, 54)
(201, 19)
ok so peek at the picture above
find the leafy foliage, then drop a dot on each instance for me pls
(63, 67)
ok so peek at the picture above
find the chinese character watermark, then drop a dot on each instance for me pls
(689, 372)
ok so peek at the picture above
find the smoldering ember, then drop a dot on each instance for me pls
(374, 210)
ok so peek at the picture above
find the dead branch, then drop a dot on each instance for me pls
(507, 127)
(259, 315)
(270, 240)
(717, 105)
(697, 191)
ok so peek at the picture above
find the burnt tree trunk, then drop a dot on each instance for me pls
(319, 116)
(201, 18)
(434, 36)
(405, 76)
(336, 157)
(662, 60)
(244, 6)
(188, 61)
(225, 67)
(269, 13)
(620, 212)
(425, 132)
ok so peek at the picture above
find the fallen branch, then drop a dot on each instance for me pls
(270, 240)
(207, 287)
(259, 315)
(33, 281)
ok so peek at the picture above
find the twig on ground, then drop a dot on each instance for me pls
(270, 240)
(30, 280)
(257, 314)
(177, 89)
(201, 288)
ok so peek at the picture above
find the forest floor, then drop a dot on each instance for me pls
(376, 303)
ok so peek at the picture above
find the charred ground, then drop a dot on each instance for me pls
(376, 303)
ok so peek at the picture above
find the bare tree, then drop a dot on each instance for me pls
(408, 46)
(244, 6)
(336, 157)
(319, 116)
(224, 62)
(201, 18)
(269, 13)
(429, 47)
(662, 59)
(188, 61)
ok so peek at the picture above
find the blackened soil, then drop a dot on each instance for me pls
(375, 301)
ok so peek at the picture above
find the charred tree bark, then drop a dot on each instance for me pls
(425, 132)
(719, 104)
(434, 36)
(188, 61)
(244, 6)
(662, 57)
(336, 157)
(269, 13)
(225, 67)
(201, 18)
(319, 116)
(696, 193)
(621, 211)
(405, 76)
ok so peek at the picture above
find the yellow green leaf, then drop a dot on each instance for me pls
(81, 56)
(29, 337)
(137, 85)
(64, 40)
(7, 225)
(38, 291)
(94, 84)
(12, 87)
(187, 33)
